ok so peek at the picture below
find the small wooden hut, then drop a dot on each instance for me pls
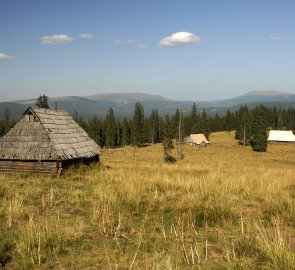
(198, 139)
(45, 141)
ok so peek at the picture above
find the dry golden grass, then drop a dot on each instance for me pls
(221, 207)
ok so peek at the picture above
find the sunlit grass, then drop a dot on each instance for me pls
(221, 207)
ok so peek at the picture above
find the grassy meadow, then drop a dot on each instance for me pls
(221, 207)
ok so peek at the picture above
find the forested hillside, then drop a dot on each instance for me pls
(111, 131)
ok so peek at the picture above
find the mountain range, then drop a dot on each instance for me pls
(123, 103)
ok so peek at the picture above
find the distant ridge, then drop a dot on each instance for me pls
(267, 93)
(123, 103)
(126, 97)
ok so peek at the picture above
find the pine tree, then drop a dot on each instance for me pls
(119, 134)
(126, 132)
(153, 127)
(167, 128)
(138, 125)
(6, 123)
(244, 130)
(42, 102)
(228, 121)
(76, 116)
(102, 134)
(194, 120)
(180, 138)
(218, 123)
(175, 124)
(259, 134)
(6, 120)
(111, 129)
(279, 120)
(95, 130)
(204, 124)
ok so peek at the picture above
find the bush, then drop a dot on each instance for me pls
(168, 146)
(2, 191)
(169, 159)
(6, 247)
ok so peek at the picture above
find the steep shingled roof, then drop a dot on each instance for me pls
(45, 134)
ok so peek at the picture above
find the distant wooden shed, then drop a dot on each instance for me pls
(198, 139)
(281, 136)
(45, 141)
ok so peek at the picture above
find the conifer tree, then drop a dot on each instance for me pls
(6, 123)
(259, 134)
(279, 119)
(228, 121)
(6, 120)
(167, 128)
(153, 126)
(138, 125)
(119, 133)
(75, 116)
(217, 123)
(42, 102)
(102, 135)
(175, 123)
(111, 129)
(126, 132)
(204, 123)
(194, 120)
(244, 130)
(93, 128)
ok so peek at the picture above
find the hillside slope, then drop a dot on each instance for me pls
(123, 103)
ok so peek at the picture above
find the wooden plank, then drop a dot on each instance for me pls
(13, 167)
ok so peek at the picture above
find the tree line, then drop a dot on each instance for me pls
(250, 125)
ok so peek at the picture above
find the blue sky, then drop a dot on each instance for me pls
(220, 49)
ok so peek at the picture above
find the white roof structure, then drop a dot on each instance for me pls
(197, 139)
(281, 136)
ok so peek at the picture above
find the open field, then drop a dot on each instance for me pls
(222, 207)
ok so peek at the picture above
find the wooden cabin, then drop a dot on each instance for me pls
(45, 141)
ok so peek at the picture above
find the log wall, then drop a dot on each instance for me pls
(35, 167)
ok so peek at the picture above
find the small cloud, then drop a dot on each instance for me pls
(142, 46)
(121, 42)
(179, 39)
(275, 38)
(86, 36)
(56, 39)
(5, 57)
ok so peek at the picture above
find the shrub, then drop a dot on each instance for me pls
(169, 159)
(6, 247)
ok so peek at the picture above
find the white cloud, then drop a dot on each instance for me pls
(142, 46)
(275, 38)
(6, 57)
(56, 39)
(179, 39)
(121, 42)
(86, 36)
